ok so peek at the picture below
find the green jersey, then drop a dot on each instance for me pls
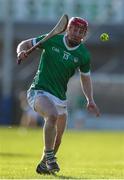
(57, 65)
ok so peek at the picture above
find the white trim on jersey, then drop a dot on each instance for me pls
(69, 48)
(85, 74)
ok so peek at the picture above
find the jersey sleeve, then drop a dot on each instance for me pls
(85, 65)
(37, 39)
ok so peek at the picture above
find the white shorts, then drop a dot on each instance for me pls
(61, 105)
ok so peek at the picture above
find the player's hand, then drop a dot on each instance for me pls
(92, 108)
(22, 55)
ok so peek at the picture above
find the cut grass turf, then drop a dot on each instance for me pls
(83, 154)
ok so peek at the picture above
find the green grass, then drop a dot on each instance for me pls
(85, 155)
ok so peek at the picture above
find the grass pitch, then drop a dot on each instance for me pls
(83, 154)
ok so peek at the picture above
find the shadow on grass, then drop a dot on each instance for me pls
(67, 177)
(64, 177)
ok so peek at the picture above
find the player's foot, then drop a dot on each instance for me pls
(42, 168)
(52, 165)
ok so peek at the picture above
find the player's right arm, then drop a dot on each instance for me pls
(23, 47)
(26, 45)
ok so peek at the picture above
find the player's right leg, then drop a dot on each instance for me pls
(61, 124)
(49, 129)
(46, 108)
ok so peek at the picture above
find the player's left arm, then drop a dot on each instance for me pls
(86, 84)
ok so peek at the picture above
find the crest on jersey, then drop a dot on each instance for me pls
(66, 55)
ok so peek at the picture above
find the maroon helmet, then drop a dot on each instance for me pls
(79, 22)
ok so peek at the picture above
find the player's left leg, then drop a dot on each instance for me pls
(61, 124)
